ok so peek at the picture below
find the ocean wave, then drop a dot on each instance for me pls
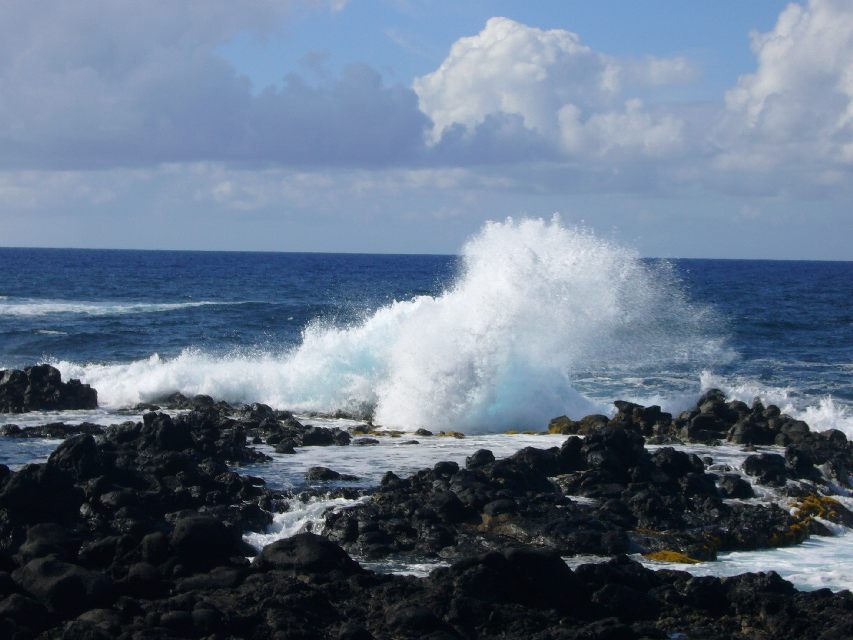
(821, 413)
(534, 303)
(30, 307)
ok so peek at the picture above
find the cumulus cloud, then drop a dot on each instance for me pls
(798, 104)
(553, 84)
(631, 130)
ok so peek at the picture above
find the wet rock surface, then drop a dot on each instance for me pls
(135, 531)
(40, 388)
(263, 424)
(52, 430)
(602, 495)
(809, 455)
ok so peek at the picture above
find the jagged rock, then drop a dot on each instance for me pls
(40, 388)
(768, 468)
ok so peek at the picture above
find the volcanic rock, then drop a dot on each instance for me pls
(40, 388)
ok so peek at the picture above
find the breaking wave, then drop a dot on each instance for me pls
(534, 304)
(828, 413)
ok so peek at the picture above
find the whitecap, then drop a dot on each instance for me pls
(32, 307)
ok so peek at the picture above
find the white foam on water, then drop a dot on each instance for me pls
(300, 517)
(814, 564)
(827, 413)
(535, 302)
(403, 567)
(30, 307)
(100, 416)
(370, 462)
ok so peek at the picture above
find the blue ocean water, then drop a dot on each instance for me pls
(476, 337)
(114, 306)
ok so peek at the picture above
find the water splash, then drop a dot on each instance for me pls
(826, 414)
(534, 304)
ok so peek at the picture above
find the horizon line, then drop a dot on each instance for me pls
(380, 253)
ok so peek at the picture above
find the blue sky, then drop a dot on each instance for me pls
(684, 129)
(403, 40)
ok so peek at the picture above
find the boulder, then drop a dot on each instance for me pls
(324, 474)
(479, 458)
(201, 541)
(49, 538)
(64, 588)
(768, 468)
(733, 486)
(42, 492)
(305, 553)
(78, 456)
(40, 388)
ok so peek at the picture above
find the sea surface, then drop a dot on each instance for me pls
(531, 320)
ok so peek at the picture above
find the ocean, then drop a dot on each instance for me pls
(531, 320)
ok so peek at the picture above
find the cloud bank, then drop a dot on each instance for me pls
(102, 101)
(106, 83)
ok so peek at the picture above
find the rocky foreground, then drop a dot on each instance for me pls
(136, 531)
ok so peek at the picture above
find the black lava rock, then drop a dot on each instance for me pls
(40, 388)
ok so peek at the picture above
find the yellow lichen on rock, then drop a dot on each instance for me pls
(562, 425)
(804, 512)
(815, 506)
(670, 556)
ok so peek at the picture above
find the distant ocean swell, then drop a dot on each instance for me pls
(534, 302)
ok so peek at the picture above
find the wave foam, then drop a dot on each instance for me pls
(534, 303)
(826, 414)
(30, 307)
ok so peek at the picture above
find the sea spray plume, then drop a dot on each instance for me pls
(534, 303)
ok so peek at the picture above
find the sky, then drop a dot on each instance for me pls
(682, 129)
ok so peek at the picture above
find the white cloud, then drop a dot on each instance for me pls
(559, 87)
(797, 106)
(628, 130)
(32, 190)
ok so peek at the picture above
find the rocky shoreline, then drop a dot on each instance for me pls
(137, 530)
